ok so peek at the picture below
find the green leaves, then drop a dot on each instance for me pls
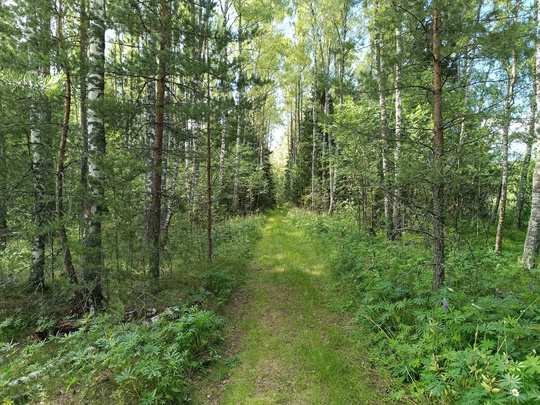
(531, 365)
(480, 350)
(146, 364)
(128, 374)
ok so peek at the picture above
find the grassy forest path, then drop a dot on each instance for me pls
(285, 343)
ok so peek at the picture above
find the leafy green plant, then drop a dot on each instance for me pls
(473, 341)
(138, 362)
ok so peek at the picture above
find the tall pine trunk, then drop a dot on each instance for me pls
(83, 103)
(438, 153)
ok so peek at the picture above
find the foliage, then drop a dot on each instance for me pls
(148, 360)
(133, 362)
(473, 341)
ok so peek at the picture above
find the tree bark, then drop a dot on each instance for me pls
(39, 128)
(314, 148)
(240, 118)
(532, 240)
(3, 194)
(150, 136)
(92, 255)
(438, 154)
(524, 172)
(155, 212)
(396, 214)
(66, 252)
(527, 157)
(209, 248)
(83, 105)
(170, 203)
(506, 128)
(62, 233)
(381, 83)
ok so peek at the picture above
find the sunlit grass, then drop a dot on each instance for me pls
(295, 350)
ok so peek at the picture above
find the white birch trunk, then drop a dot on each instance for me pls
(397, 145)
(384, 135)
(92, 255)
(506, 130)
(532, 240)
(39, 140)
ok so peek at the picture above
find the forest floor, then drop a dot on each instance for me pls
(289, 338)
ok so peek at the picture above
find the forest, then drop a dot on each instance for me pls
(269, 201)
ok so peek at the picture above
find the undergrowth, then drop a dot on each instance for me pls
(147, 358)
(473, 341)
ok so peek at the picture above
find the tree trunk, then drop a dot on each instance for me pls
(396, 214)
(150, 136)
(92, 255)
(438, 154)
(209, 249)
(83, 27)
(506, 128)
(468, 69)
(314, 148)
(224, 129)
(524, 175)
(155, 212)
(384, 133)
(240, 119)
(66, 252)
(225, 89)
(39, 128)
(170, 202)
(3, 194)
(527, 157)
(532, 240)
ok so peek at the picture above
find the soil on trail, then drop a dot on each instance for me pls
(283, 343)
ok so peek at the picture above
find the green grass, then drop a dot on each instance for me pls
(292, 348)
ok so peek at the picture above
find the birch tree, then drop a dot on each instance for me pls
(532, 240)
(92, 255)
(509, 101)
(385, 130)
(39, 26)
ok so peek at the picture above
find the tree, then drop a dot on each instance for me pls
(60, 164)
(438, 152)
(532, 240)
(385, 130)
(509, 100)
(155, 210)
(39, 25)
(92, 257)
